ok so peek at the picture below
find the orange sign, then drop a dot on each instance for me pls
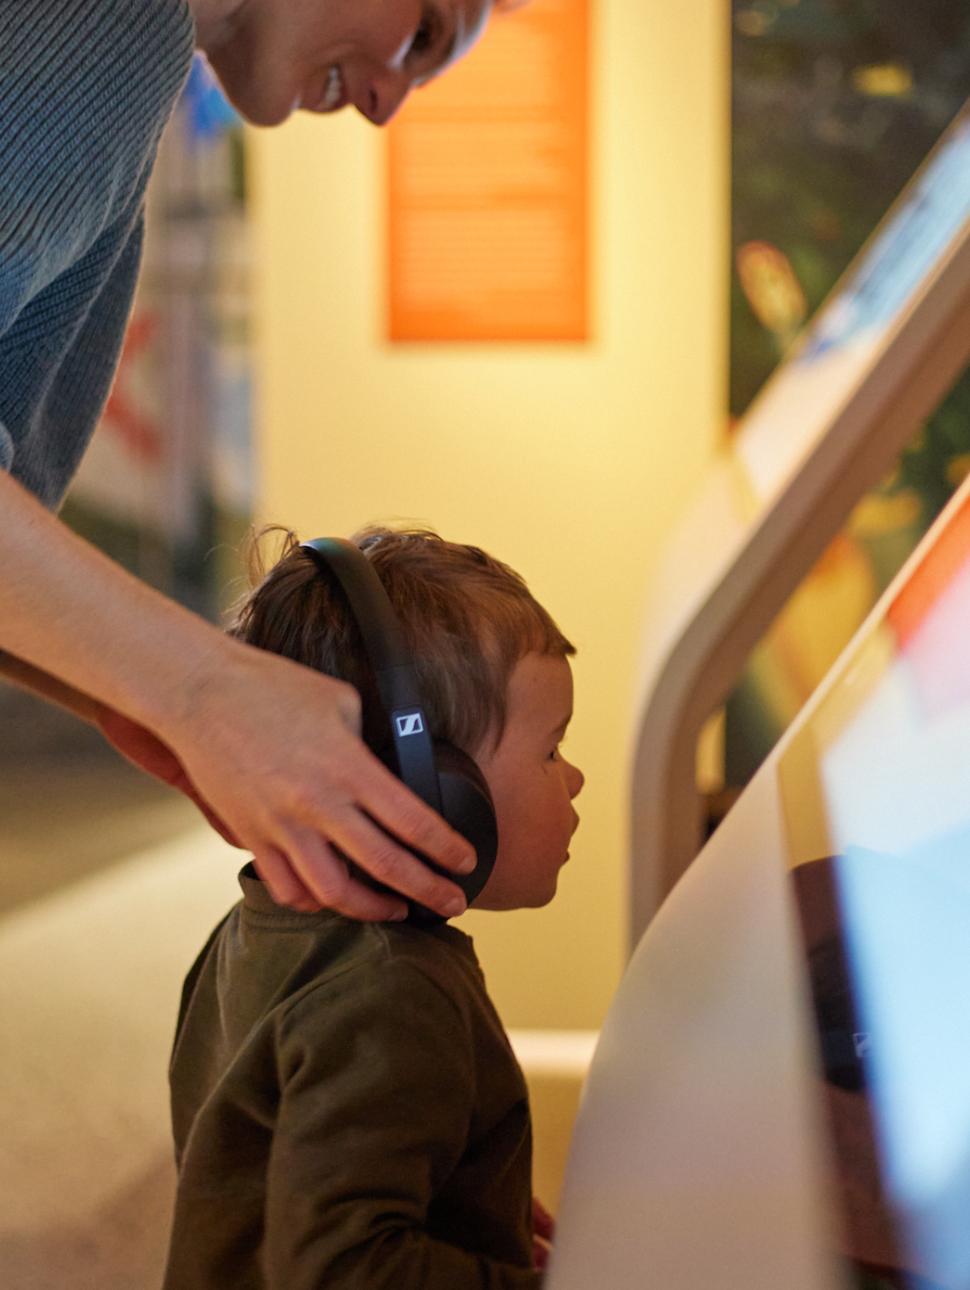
(487, 185)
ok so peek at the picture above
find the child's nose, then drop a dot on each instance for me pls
(575, 780)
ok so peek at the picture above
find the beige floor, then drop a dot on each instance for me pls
(63, 820)
(87, 1003)
(89, 985)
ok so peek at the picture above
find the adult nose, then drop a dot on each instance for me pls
(386, 91)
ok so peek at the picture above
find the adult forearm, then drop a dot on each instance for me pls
(27, 677)
(71, 615)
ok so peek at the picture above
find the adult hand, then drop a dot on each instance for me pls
(148, 753)
(543, 1231)
(272, 750)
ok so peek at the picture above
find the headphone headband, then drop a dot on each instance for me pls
(389, 658)
(376, 618)
(443, 776)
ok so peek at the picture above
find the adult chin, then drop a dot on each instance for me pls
(256, 103)
(262, 115)
(259, 110)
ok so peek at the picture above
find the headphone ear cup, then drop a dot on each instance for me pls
(466, 804)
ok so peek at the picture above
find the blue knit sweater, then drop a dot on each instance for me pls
(86, 87)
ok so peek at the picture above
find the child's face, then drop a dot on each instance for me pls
(532, 785)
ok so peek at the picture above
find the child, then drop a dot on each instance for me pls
(346, 1107)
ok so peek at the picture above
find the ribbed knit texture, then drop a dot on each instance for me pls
(86, 87)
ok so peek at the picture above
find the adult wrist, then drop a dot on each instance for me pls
(173, 694)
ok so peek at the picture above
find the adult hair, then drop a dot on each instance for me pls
(466, 618)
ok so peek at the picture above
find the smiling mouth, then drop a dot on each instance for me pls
(333, 96)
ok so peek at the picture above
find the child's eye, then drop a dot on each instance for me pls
(554, 755)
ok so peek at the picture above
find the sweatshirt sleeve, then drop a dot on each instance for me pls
(362, 1145)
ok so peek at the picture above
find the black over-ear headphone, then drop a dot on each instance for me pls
(439, 773)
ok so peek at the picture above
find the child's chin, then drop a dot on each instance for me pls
(508, 901)
(542, 898)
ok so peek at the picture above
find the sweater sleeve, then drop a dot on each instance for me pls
(362, 1145)
(6, 445)
(85, 90)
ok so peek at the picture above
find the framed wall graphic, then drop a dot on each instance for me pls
(487, 188)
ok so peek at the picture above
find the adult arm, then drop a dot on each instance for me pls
(270, 747)
(133, 741)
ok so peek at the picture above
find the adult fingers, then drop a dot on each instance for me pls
(540, 1254)
(543, 1223)
(282, 881)
(381, 856)
(543, 1230)
(400, 812)
(322, 881)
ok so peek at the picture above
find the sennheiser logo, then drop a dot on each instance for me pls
(410, 724)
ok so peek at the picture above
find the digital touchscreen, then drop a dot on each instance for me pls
(876, 797)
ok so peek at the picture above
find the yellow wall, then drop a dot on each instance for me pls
(569, 462)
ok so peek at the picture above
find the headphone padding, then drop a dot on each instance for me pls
(467, 806)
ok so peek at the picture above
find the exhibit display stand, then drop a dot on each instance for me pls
(877, 360)
(779, 1094)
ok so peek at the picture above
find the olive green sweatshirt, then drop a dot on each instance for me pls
(347, 1112)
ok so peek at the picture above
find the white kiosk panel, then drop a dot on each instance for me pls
(781, 1094)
